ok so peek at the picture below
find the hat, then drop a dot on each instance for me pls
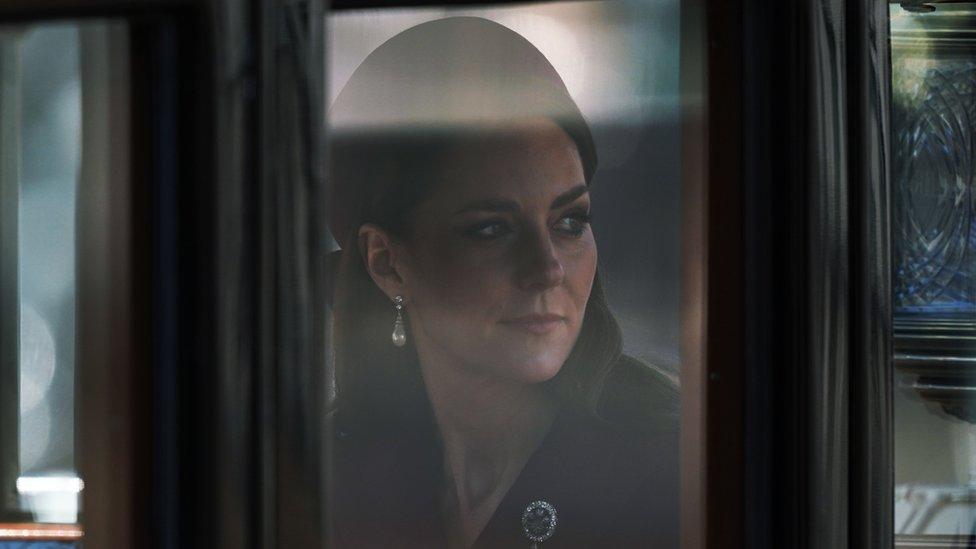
(428, 83)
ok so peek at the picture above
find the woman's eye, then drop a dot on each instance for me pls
(488, 230)
(573, 224)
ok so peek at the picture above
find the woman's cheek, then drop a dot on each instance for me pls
(465, 283)
(470, 263)
(579, 258)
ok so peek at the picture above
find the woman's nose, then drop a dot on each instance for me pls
(540, 267)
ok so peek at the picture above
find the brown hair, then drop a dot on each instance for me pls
(377, 383)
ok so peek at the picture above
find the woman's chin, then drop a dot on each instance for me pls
(543, 374)
(534, 369)
(534, 359)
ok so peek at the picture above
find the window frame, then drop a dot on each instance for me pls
(818, 321)
(758, 207)
(129, 463)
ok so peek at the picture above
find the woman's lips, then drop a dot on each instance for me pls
(536, 324)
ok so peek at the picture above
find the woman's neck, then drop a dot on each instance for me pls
(489, 427)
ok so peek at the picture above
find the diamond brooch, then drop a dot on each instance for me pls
(538, 522)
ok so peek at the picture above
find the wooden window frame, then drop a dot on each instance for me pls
(127, 416)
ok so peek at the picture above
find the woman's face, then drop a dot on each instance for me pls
(499, 266)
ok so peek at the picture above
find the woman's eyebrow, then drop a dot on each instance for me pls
(569, 196)
(490, 205)
(499, 205)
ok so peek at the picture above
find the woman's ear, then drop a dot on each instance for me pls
(379, 253)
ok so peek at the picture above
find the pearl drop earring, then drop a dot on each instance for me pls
(399, 331)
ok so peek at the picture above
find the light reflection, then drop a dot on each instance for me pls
(52, 499)
(35, 438)
(42, 485)
(37, 358)
(614, 76)
(37, 366)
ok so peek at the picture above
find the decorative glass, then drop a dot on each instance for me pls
(932, 176)
(933, 166)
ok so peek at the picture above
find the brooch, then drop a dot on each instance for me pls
(538, 522)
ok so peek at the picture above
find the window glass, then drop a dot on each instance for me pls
(933, 242)
(505, 198)
(46, 174)
(51, 142)
(42, 132)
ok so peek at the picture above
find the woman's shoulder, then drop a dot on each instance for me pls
(623, 462)
(639, 397)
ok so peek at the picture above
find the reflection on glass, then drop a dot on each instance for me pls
(933, 172)
(50, 144)
(493, 371)
(42, 143)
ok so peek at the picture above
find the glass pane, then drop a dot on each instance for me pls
(45, 70)
(484, 350)
(933, 241)
(51, 141)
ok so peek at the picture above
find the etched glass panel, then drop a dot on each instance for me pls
(933, 170)
(934, 104)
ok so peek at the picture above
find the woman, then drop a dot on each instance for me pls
(482, 397)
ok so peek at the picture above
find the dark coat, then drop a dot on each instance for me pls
(612, 477)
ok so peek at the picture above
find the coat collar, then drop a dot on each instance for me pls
(386, 487)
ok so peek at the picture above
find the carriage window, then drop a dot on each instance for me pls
(52, 172)
(504, 201)
(934, 278)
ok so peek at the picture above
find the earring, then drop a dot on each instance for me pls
(399, 332)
